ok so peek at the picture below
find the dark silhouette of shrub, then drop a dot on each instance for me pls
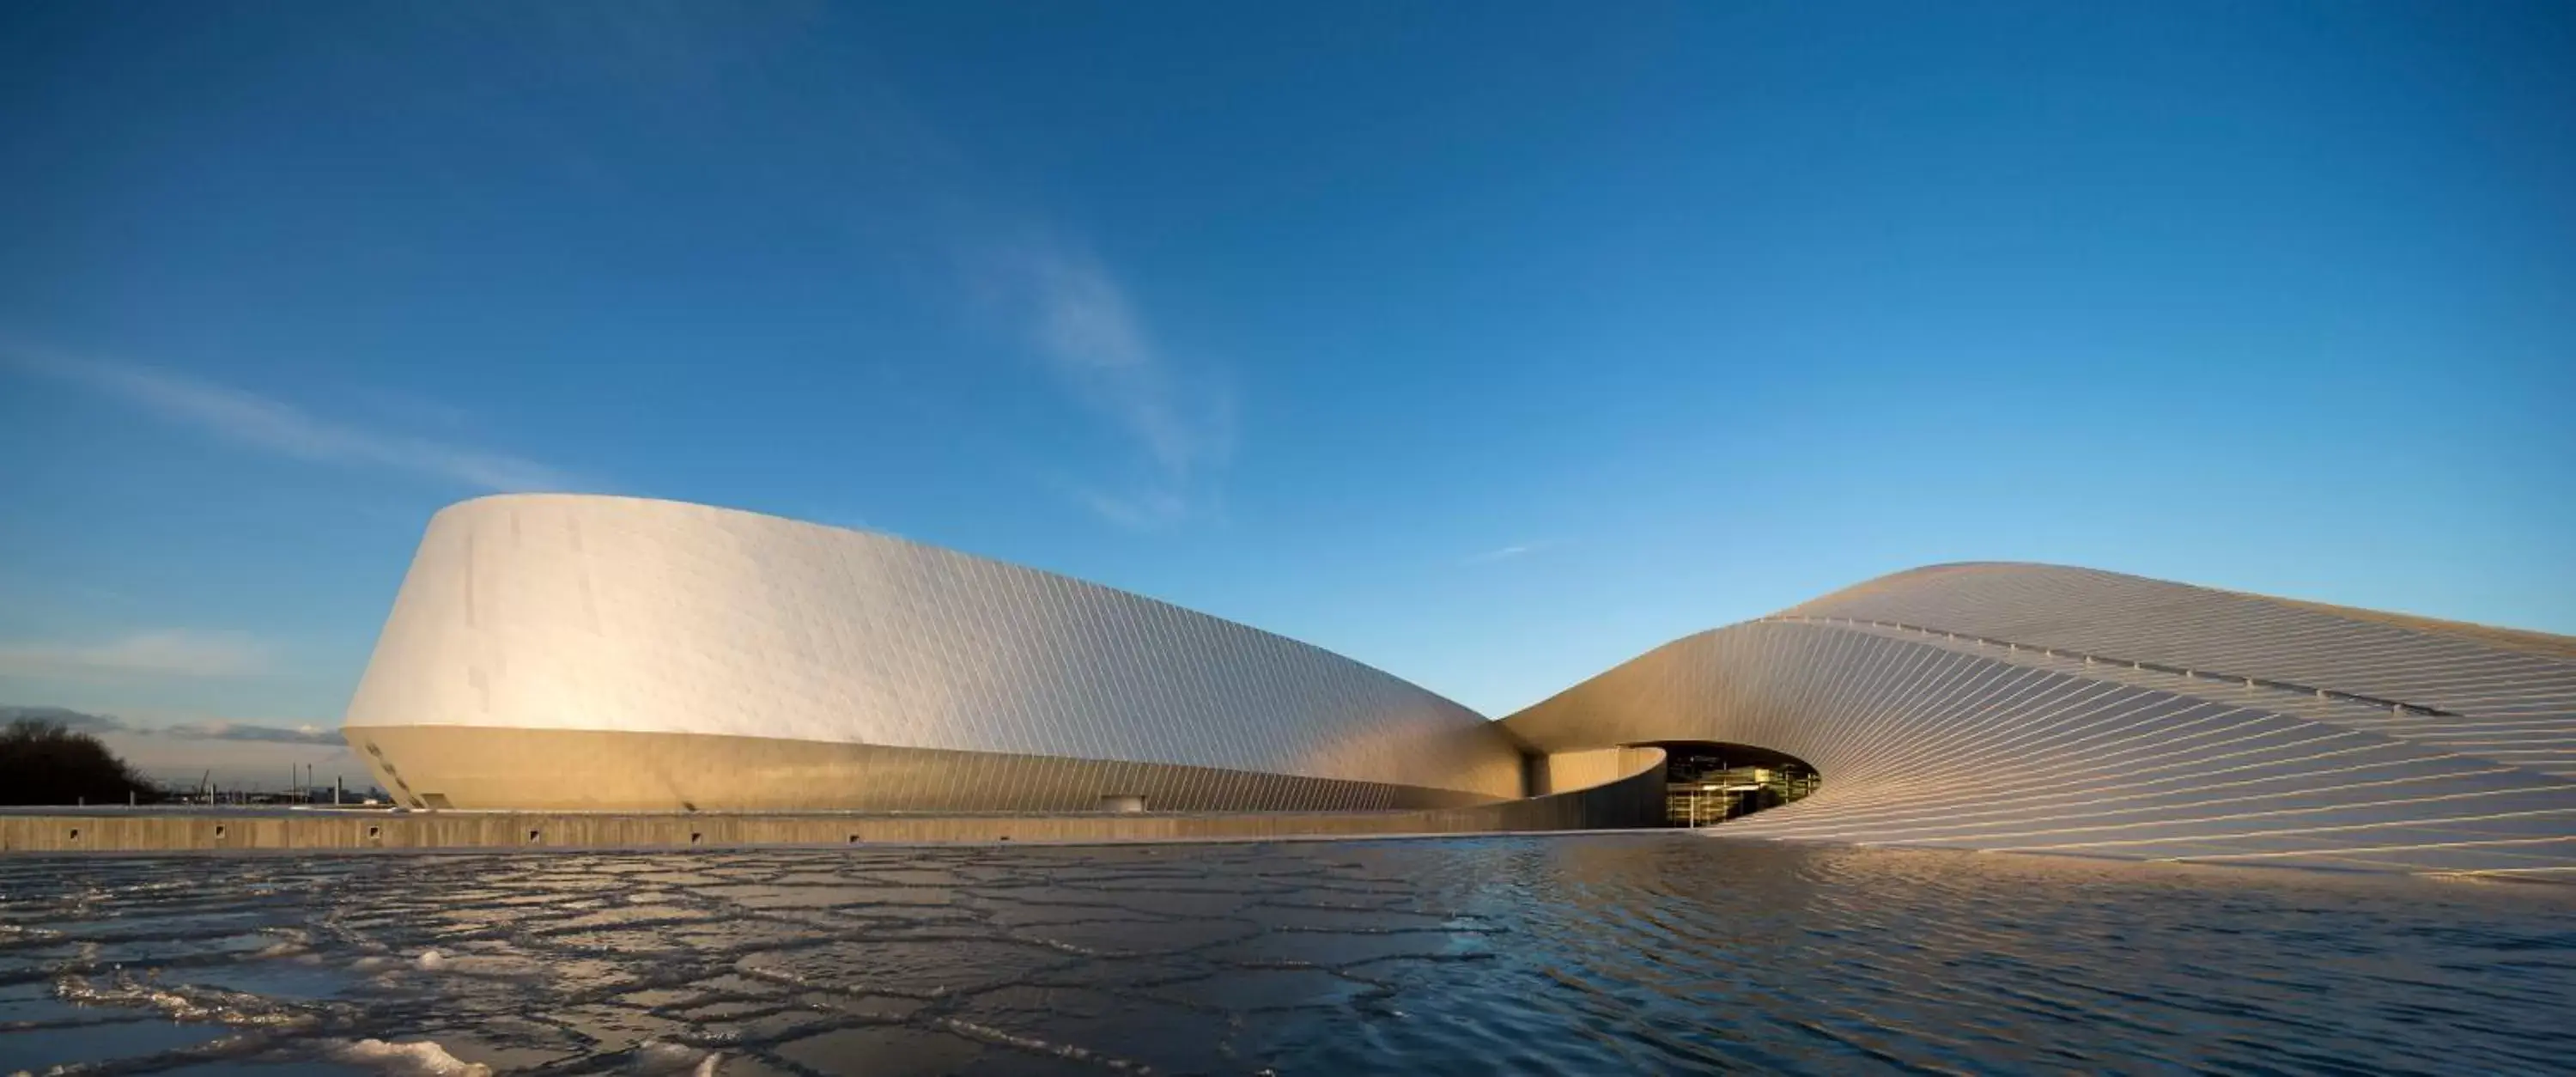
(43, 763)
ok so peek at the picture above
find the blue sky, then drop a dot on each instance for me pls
(1490, 346)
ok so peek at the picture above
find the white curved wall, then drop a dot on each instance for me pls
(563, 612)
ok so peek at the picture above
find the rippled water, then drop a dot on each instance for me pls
(1569, 954)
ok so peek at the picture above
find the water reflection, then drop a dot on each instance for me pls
(1588, 954)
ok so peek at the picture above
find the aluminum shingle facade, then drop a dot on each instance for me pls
(2043, 709)
(653, 618)
(551, 651)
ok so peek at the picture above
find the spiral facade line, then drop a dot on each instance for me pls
(2035, 708)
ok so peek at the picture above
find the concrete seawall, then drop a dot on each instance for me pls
(1632, 801)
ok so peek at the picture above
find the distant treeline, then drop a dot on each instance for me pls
(43, 763)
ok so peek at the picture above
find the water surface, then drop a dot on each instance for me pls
(1589, 954)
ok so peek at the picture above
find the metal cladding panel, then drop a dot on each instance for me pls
(2516, 704)
(627, 615)
(1932, 725)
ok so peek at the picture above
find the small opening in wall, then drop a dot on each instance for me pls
(75, 833)
(533, 835)
(854, 839)
(1006, 837)
(695, 837)
(375, 832)
(1707, 783)
(219, 832)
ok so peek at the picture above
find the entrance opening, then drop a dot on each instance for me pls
(1707, 783)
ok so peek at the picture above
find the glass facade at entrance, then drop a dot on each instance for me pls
(1706, 784)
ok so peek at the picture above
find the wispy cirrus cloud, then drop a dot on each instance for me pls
(1078, 316)
(1142, 509)
(168, 652)
(1506, 553)
(263, 422)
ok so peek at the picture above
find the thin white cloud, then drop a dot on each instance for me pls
(274, 425)
(250, 731)
(1079, 318)
(172, 652)
(205, 729)
(1506, 553)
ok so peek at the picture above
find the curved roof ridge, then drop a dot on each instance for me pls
(2531, 641)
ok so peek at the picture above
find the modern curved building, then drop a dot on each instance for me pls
(551, 651)
(554, 651)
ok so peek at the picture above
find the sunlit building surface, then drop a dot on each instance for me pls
(551, 651)
(555, 651)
